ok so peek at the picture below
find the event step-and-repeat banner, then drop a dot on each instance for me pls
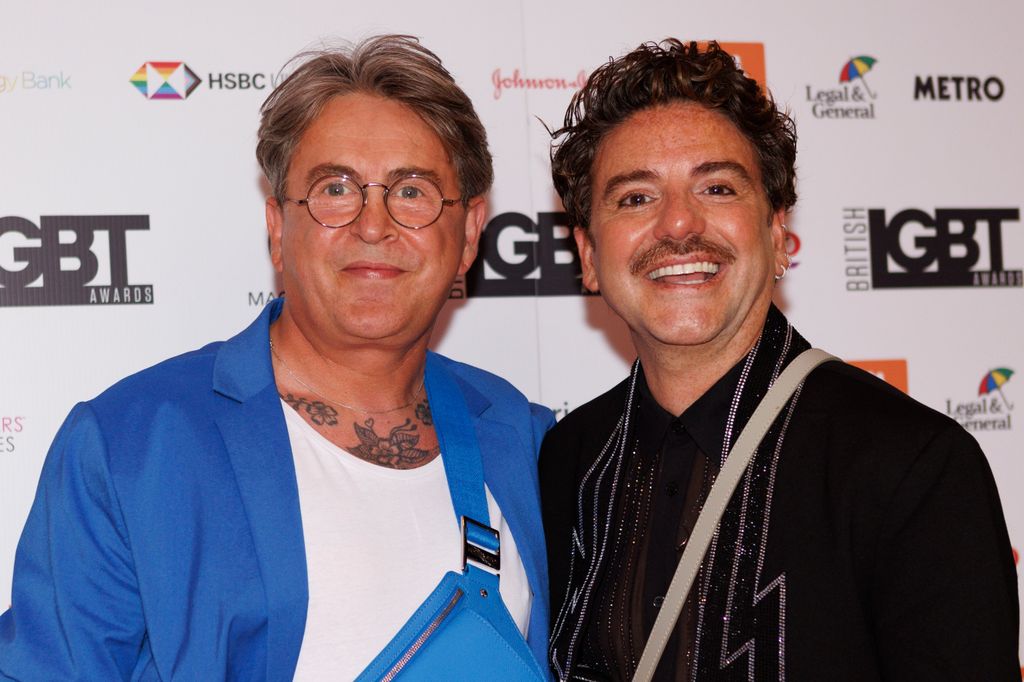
(131, 204)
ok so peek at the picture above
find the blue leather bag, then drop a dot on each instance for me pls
(463, 630)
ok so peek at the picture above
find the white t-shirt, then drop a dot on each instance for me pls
(378, 541)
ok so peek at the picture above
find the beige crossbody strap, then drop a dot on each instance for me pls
(718, 498)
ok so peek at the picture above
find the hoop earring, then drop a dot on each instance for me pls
(785, 268)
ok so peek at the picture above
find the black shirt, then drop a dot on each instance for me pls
(670, 471)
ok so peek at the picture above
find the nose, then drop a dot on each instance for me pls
(374, 223)
(680, 216)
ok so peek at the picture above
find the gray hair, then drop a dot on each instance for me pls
(397, 67)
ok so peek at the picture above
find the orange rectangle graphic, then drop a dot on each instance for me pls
(750, 58)
(892, 371)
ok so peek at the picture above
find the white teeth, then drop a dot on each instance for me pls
(684, 269)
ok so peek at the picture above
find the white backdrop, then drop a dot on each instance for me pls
(932, 126)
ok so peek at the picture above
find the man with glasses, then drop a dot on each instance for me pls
(281, 504)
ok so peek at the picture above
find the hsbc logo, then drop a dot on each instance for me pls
(175, 80)
(165, 80)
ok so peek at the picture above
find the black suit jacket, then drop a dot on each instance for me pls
(886, 522)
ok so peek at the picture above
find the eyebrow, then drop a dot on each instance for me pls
(709, 167)
(415, 170)
(617, 181)
(327, 169)
(706, 168)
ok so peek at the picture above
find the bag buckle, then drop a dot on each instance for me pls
(480, 543)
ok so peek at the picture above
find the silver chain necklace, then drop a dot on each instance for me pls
(339, 403)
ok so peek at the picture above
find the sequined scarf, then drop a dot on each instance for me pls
(740, 631)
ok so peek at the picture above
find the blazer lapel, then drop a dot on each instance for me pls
(256, 437)
(510, 472)
(510, 484)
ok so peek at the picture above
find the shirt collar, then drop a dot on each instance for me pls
(704, 420)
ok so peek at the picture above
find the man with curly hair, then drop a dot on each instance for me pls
(866, 539)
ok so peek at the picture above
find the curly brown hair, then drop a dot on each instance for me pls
(396, 67)
(659, 73)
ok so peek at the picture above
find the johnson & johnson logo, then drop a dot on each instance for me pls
(517, 81)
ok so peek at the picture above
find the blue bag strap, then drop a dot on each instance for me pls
(460, 452)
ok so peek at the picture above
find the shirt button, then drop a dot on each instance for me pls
(672, 488)
(678, 427)
(658, 601)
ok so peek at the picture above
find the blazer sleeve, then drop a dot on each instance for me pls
(944, 589)
(76, 612)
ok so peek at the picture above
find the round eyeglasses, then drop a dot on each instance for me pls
(412, 201)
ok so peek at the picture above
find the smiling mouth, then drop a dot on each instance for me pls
(372, 270)
(688, 273)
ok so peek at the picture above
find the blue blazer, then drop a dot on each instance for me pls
(165, 540)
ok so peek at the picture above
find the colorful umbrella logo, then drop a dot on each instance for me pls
(993, 381)
(856, 68)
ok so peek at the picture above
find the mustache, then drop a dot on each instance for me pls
(666, 246)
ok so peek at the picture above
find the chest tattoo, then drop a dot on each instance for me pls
(423, 413)
(319, 413)
(396, 450)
